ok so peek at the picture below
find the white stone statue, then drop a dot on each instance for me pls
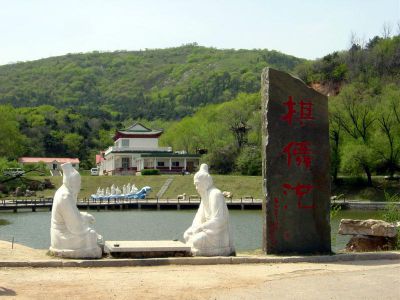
(210, 233)
(107, 191)
(117, 191)
(124, 189)
(70, 233)
(98, 193)
(112, 190)
(128, 188)
(134, 189)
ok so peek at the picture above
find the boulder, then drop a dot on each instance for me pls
(362, 243)
(367, 227)
(19, 192)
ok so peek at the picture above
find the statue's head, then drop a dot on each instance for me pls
(71, 178)
(202, 179)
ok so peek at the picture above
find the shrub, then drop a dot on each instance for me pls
(392, 212)
(249, 161)
(150, 172)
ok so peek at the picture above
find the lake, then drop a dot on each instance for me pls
(33, 228)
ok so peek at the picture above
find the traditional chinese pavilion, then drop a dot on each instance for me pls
(136, 149)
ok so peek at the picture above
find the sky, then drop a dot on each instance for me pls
(35, 29)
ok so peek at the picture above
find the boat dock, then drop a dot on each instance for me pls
(245, 203)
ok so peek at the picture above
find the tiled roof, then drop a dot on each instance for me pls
(139, 129)
(60, 160)
(99, 158)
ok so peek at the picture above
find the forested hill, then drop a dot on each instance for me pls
(163, 83)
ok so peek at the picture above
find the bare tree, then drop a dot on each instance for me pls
(386, 30)
(359, 120)
(398, 27)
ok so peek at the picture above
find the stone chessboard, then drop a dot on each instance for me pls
(146, 249)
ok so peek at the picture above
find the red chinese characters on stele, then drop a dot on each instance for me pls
(301, 190)
(304, 114)
(300, 152)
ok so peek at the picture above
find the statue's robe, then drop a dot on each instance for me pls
(70, 234)
(210, 233)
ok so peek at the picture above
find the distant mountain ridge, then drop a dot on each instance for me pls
(162, 83)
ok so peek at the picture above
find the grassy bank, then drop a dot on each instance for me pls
(239, 186)
(356, 188)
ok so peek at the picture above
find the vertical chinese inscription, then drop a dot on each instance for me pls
(295, 166)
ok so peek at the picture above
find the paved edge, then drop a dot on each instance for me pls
(347, 257)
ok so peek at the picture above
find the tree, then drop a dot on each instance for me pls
(73, 142)
(391, 153)
(356, 118)
(335, 138)
(12, 141)
(357, 158)
(386, 139)
(249, 161)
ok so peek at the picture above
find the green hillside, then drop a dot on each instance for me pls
(203, 98)
(364, 107)
(151, 84)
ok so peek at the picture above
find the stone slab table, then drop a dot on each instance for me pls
(146, 249)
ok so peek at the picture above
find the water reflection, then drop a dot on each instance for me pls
(33, 229)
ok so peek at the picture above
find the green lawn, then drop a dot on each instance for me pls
(238, 185)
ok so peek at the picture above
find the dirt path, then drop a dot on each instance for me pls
(352, 280)
(366, 280)
(20, 252)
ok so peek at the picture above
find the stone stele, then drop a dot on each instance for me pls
(367, 227)
(296, 153)
(71, 236)
(210, 233)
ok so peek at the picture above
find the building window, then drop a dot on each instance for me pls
(175, 163)
(125, 143)
(125, 162)
(160, 164)
(148, 163)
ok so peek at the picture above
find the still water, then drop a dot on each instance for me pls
(33, 228)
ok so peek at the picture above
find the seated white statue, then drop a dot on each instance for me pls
(210, 233)
(71, 235)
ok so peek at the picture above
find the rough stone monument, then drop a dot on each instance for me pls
(296, 155)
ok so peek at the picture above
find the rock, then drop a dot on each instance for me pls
(367, 227)
(363, 243)
(29, 193)
(19, 192)
(48, 184)
(227, 194)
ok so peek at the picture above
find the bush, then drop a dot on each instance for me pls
(222, 160)
(150, 172)
(249, 161)
(392, 212)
